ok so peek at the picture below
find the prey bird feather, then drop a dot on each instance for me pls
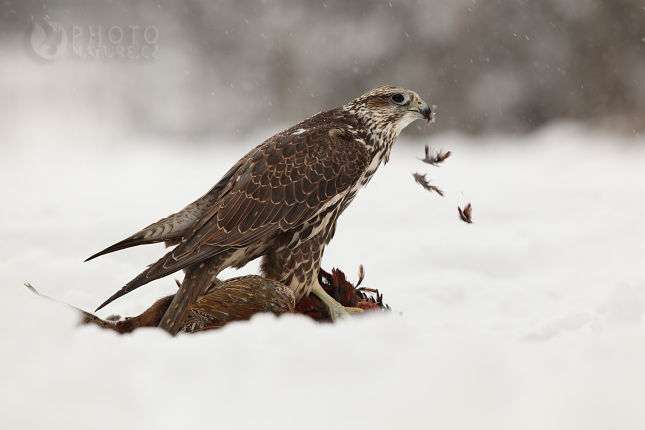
(425, 183)
(434, 158)
(466, 215)
(280, 202)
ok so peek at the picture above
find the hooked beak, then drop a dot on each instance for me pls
(424, 111)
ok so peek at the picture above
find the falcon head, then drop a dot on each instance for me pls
(390, 109)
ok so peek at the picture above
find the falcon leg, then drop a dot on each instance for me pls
(336, 310)
(197, 280)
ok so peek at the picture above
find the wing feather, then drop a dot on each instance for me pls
(301, 199)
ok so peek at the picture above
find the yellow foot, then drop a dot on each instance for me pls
(336, 310)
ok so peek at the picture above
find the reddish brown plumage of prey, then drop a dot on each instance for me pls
(280, 202)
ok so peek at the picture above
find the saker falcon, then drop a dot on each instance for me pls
(281, 202)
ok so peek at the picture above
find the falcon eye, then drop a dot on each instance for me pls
(398, 98)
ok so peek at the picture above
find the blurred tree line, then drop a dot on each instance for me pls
(489, 65)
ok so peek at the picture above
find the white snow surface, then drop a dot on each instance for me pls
(529, 318)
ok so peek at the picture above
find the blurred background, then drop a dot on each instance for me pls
(116, 113)
(191, 69)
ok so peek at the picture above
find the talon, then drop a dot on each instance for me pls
(336, 310)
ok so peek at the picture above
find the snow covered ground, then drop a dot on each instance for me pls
(530, 318)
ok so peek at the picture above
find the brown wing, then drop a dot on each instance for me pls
(280, 185)
(284, 183)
